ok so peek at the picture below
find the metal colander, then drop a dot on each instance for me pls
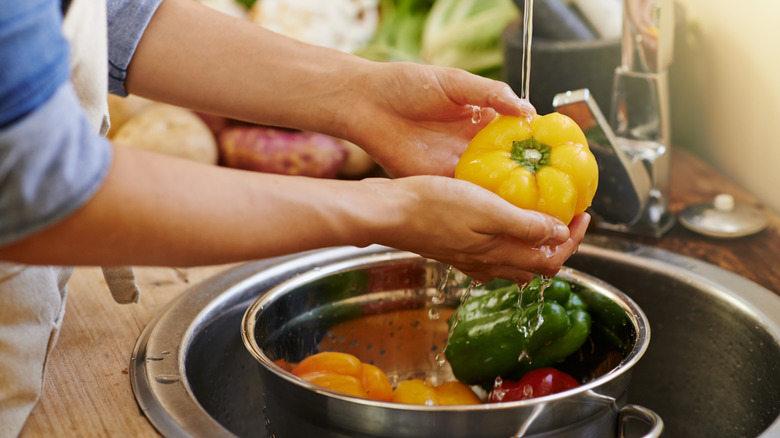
(378, 304)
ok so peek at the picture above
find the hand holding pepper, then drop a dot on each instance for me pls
(484, 236)
(428, 114)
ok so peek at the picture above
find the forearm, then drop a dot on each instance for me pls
(157, 210)
(193, 57)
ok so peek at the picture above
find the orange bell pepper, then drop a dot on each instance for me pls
(345, 373)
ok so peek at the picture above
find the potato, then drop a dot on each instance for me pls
(122, 109)
(358, 162)
(281, 151)
(172, 131)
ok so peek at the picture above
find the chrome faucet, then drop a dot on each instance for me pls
(632, 147)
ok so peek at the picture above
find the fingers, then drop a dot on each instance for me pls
(495, 216)
(519, 277)
(534, 227)
(479, 91)
(505, 101)
(518, 261)
(578, 226)
(520, 265)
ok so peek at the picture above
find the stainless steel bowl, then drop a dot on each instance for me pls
(375, 304)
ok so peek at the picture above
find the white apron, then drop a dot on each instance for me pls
(32, 298)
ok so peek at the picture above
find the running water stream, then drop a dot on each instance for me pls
(528, 28)
(441, 293)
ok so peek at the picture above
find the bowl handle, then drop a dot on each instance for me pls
(629, 412)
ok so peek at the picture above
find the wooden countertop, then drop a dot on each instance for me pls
(87, 390)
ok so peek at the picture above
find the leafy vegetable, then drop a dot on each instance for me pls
(399, 36)
(246, 3)
(467, 34)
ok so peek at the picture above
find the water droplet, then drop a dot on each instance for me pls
(523, 355)
(476, 114)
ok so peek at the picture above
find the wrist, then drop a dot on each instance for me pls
(374, 214)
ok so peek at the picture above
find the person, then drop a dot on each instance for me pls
(69, 197)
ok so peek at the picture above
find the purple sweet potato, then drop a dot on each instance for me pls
(282, 151)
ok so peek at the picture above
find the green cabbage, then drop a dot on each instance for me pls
(399, 35)
(467, 34)
(464, 34)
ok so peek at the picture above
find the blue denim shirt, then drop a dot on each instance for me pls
(33, 56)
(51, 162)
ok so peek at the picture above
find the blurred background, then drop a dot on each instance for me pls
(724, 86)
(726, 91)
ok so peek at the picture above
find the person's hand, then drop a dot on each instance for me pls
(475, 230)
(416, 119)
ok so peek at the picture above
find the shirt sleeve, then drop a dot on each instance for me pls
(51, 163)
(33, 56)
(127, 21)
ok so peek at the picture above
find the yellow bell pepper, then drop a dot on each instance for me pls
(420, 392)
(544, 165)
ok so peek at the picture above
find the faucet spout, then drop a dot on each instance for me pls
(624, 182)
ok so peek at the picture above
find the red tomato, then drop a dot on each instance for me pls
(536, 383)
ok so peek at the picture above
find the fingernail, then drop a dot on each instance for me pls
(560, 233)
(586, 218)
(526, 109)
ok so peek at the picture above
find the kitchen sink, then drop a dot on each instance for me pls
(712, 368)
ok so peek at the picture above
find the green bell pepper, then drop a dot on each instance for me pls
(612, 325)
(508, 331)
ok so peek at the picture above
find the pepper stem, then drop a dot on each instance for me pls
(531, 154)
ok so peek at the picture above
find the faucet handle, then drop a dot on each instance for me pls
(624, 182)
